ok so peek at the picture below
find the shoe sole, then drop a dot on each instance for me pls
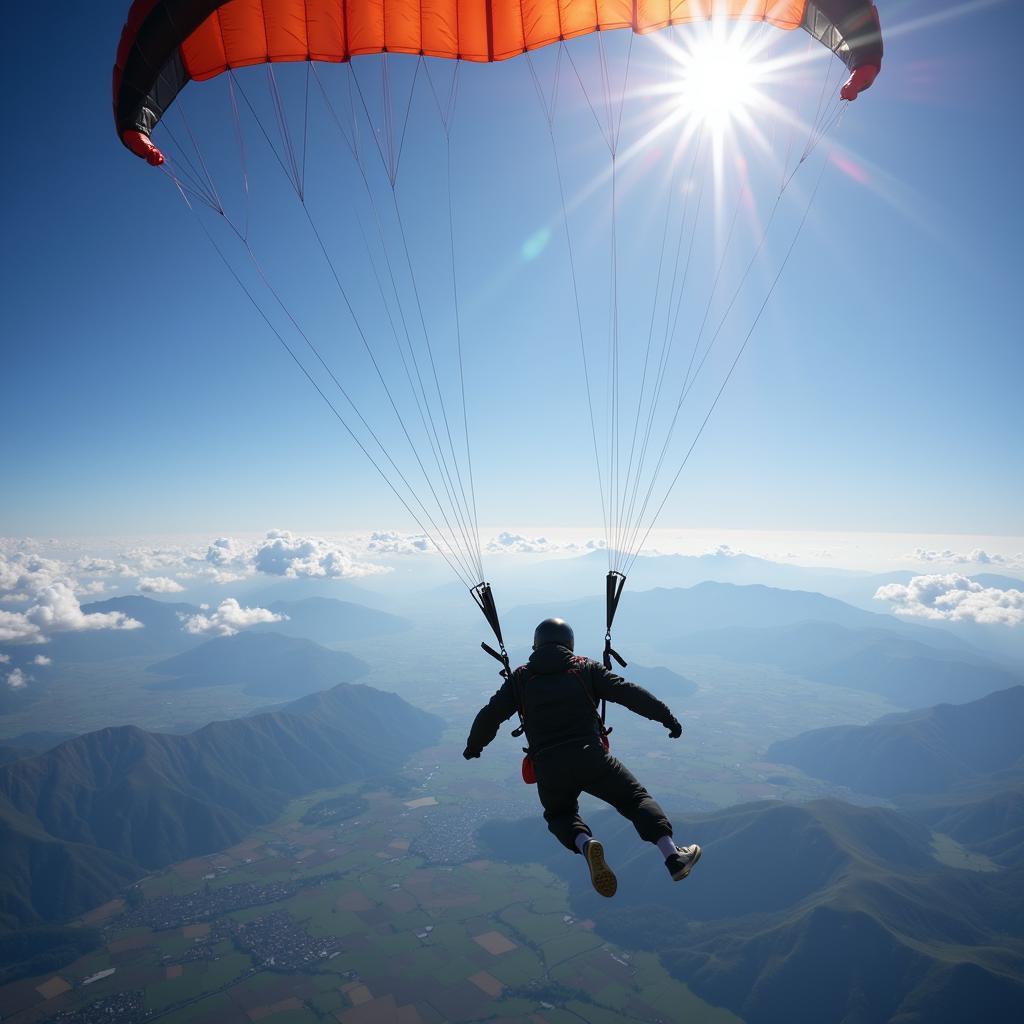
(689, 867)
(601, 876)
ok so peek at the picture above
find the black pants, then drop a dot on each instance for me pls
(566, 771)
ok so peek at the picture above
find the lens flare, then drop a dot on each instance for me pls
(718, 79)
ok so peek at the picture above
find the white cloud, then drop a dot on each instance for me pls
(390, 542)
(145, 560)
(954, 598)
(25, 576)
(25, 573)
(57, 610)
(15, 628)
(722, 551)
(159, 585)
(226, 551)
(42, 659)
(515, 543)
(100, 567)
(229, 618)
(283, 553)
(4, 659)
(17, 679)
(976, 556)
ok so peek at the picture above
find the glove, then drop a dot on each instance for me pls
(675, 729)
(469, 753)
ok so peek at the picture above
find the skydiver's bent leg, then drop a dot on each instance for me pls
(559, 796)
(559, 772)
(614, 783)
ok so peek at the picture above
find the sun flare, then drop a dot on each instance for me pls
(718, 79)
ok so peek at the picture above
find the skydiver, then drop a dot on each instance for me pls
(559, 692)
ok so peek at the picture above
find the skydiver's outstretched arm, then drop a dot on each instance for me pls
(610, 687)
(500, 708)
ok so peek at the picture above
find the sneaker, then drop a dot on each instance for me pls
(602, 876)
(681, 863)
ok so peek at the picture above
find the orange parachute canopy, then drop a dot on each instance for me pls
(167, 43)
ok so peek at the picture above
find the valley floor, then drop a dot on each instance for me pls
(361, 921)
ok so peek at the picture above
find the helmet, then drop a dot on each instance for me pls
(553, 631)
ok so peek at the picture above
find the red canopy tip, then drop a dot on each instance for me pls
(861, 79)
(142, 146)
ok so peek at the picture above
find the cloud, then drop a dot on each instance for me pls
(226, 551)
(954, 598)
(976, 556)
(515, 543)
(26, 576)
(101, 567)
(4, 659)
(228, 619)
(145, 560)
(16, 628)
(159, 585)
(26, 573)
(17, 679)
(390, 542)
(42, 659)
(722, 551)
(283, 553)
(57, 610)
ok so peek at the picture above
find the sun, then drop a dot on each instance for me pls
(717, 79)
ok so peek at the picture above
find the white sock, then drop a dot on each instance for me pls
(581, 840)
(667, 846)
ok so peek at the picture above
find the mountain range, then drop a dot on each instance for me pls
(809, 913)
(263, 664)
(900, 668)
(807, 634)
(80, 821)
(28, 743)
(924, 751)
(661, 616)
(828, 911)
(562, 581)
(330, 621)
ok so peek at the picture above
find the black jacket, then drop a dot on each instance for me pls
(558, 694)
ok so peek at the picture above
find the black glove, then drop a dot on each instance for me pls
(675, 729)
(469, 753)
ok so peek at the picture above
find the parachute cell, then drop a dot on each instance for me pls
(167, 43)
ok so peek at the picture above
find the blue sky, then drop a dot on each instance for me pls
(880, 393)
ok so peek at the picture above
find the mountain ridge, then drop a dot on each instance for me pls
(110, 805)
(924, 751)
(807, 913)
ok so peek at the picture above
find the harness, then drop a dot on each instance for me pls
(576, 670)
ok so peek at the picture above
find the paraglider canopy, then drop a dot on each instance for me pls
(167, 43)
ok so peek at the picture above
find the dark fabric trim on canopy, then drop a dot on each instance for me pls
(850, 30)
(150, 72)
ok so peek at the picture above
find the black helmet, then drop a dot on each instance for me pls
(553, 631)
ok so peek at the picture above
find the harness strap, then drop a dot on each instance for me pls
(484, 599)
(599, 710)
(613, 585)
